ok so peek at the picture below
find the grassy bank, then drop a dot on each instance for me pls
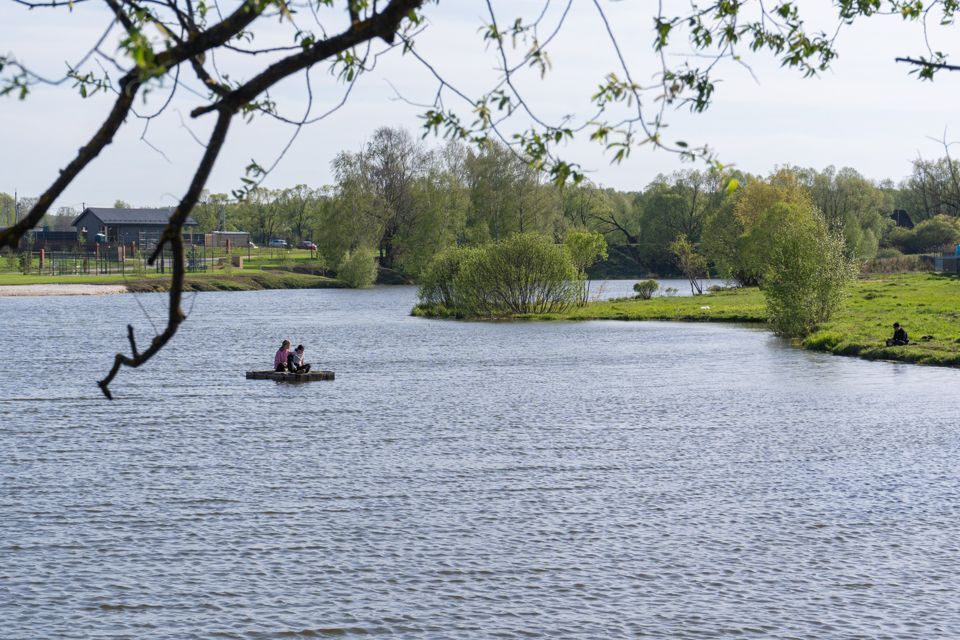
(246, 280)
(925, 304)
(738, 305)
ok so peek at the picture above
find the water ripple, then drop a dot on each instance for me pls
(463, 480)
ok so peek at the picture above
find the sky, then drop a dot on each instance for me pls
(866, 112)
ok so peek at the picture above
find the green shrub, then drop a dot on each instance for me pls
(437, 280)
(585, 249)
(897, 264)
(357, 269)
(692, 264)
(9, 263)
(888, 252)
(936, 234)
(526, 273)
(807, 276)
(646, 288)
(139, 264)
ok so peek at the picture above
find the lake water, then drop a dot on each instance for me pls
(465, 480)
(607, 289)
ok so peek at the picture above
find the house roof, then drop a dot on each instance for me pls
(132, 216)
(902, 218)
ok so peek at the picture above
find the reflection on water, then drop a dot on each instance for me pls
(465, 479)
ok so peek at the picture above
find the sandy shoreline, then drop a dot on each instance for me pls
(19, 290)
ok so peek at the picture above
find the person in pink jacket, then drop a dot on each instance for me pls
(280, 360)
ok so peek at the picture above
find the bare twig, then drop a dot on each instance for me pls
(173, 236)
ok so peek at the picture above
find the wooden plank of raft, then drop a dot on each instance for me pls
(281, 376)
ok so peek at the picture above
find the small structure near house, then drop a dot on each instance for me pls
(902, 218)
(947, 263)
(125, 226)
(220, 238)
(52, 240)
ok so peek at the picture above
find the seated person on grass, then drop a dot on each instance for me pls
(295, 362)
(899, 336)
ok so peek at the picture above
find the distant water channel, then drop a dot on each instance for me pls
(465, 480)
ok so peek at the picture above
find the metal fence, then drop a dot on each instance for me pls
(947, 264)
(131, 260)
(112, 260)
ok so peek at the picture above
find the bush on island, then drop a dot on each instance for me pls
(437, 280)
(525, 273)
(646, 288)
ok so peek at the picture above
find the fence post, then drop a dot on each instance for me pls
(42, 255)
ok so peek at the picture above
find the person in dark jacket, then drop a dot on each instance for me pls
(899, 338)
(295, 363)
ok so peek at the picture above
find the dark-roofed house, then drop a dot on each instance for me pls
(901, 218)
(123, 226)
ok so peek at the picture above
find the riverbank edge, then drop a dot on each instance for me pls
(44, 290)
(244, 282)
(858, 330)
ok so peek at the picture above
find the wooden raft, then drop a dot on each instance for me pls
(281, 376)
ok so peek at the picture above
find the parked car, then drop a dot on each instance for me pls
(277, 243)
(306, 244)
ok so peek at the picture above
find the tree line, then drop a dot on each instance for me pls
(406, 202)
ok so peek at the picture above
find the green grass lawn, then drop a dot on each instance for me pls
(267, 257)
(926, 304)
(738, 305)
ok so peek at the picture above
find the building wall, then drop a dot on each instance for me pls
(91, 222)
(122, 233)
(127, 233)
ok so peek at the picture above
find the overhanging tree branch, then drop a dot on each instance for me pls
(383, 25)
(929, 64)
(129, 85)
(104, 136)
(173, 235)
